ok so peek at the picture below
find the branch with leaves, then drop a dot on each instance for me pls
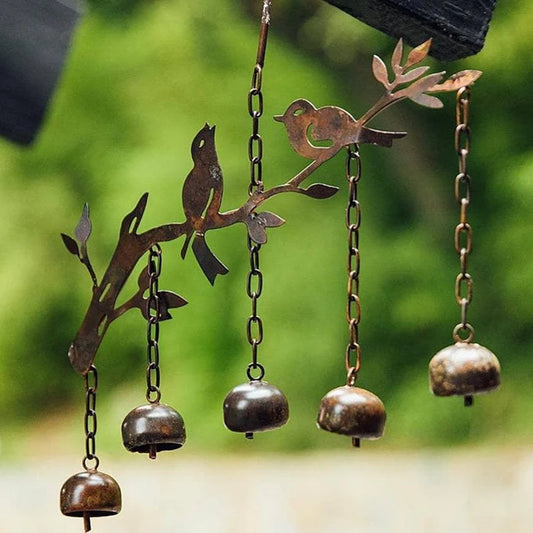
(420, 85)
(307, 128)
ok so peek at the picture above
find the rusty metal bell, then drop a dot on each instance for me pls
(90, 494)
(152, 428)
(352, 411)
(464, 369)
(255, 406)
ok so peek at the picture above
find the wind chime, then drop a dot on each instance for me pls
(254, 406)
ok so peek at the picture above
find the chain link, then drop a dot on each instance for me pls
(89, 419)
(463, 332)
(153, 312)
(353, 304)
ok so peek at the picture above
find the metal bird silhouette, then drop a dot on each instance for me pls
(202, 197)
(305, 124)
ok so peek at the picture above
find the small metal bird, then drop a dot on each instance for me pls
(306, 123)
(202, 197)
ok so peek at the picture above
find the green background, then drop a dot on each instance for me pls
(142, 78)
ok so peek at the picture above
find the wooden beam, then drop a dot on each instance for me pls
(34, 39)
(457, 27)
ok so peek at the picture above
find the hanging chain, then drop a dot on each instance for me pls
(254, 285)
(255, 106)
(353, 305)
(89, 420)
(463, 231)
(153, 312)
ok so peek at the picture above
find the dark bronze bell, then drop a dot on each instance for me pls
(255, 406)
(352, 411)
(88, 494)
(464, 369)
(152, 428)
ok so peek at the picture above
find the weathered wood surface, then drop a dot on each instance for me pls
(457, 27)
(34, 39)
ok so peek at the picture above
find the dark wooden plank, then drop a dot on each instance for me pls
(458, 27)
(34, 39)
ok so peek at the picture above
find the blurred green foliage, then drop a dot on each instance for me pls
(132, 98)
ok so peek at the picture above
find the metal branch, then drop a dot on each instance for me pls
(130, 248)
(308, 128)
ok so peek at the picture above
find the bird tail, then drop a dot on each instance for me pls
(381, 138)
(209, 263)
(186, 244)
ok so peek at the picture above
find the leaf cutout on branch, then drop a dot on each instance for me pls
(412, 74)
(271, 220)
(464, 78)
(71, 244)
(380, 71)
(427, 101)
(256, 230)
(396, 60)
(257, 224)
(420, 86)
(84, 227)
(169, 300)
(418, 54)
(172, 300)
(82, 232)
(320, 191)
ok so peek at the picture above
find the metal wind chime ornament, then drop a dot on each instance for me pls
(256, 405)
(317, 134)
(90, 493)
(465, 368)
(153, 427)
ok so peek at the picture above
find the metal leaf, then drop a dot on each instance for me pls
(418, 54)
(171, 299)
(380, 71)
(412, 74)
(271, 220)
(397, 55)
(427, 101)
(71, 244)
(320, 191)
(256, 230)
(84, 227)
(460, 79)
(420, 86)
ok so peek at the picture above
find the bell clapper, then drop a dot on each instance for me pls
(153, 451)
(469, 400)
(249, 435)
(86, 522)
(356, 443)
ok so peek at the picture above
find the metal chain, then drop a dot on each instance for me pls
(353, 304)
(255, 105)
(153, 312)
(254, 285)
(463, 231)
(89, 420)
